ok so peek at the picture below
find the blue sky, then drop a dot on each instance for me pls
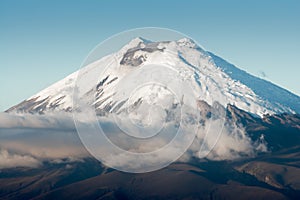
(43, 41)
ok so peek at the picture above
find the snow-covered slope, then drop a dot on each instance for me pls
(211, 78)
(266, 90)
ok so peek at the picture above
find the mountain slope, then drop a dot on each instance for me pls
(263, 88)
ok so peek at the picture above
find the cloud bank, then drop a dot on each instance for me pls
(29, 140)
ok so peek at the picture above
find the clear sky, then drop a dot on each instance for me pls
(43, 41)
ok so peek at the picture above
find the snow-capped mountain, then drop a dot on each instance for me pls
(211, 78)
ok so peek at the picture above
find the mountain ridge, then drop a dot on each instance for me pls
(237, 74)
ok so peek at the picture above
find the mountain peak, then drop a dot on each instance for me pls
(183, 42)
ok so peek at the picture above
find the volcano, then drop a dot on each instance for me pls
(149, 82)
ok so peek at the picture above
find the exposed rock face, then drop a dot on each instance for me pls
(137, 55)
